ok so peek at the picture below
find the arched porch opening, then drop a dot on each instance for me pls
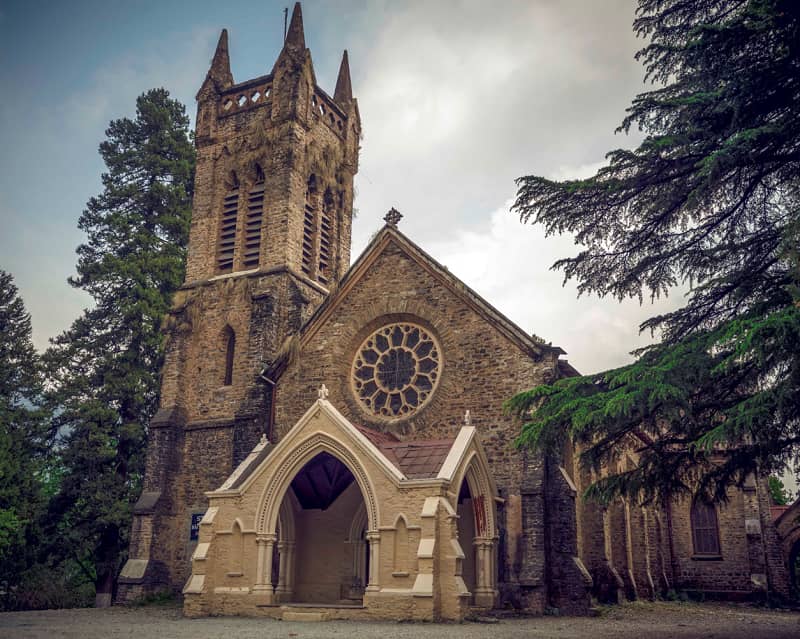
(477, 535)
(321, 536)
(466, 535)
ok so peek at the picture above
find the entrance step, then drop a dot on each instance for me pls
(303, 615)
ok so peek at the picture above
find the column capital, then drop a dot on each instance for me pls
(266, 538)
(373, 535)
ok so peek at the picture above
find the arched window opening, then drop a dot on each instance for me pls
(230, 350)
(400, 548)
(705, 531)
(325, 236)
(309, 227)
(252, 229)
(237, 550)
(227, 226)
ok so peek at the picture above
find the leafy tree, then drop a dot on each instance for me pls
(779, 493)
(709, 202)
(104, 369)
(22, 440)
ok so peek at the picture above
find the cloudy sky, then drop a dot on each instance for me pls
(457, 100)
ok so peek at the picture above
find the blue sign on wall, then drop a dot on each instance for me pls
(194, 530)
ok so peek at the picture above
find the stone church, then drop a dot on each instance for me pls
(331, 440)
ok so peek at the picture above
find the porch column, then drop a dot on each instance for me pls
(290, 557)
(374, 540)
(358, 563)
(263, 583)
(484, 592)
(283, 549)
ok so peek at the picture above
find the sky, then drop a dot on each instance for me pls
(457, 99)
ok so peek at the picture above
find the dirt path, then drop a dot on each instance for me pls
(640, 620)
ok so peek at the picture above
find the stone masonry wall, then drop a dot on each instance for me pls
(480, 370)
(205, 427)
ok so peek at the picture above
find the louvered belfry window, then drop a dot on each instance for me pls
(252, 228)
(309, 227)
(705, 532)
(227, 228)
(325, 237)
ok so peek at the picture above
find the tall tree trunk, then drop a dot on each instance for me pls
(104, 590)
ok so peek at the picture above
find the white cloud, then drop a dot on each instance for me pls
(509, 264)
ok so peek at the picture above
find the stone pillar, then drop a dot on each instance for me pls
(282, 589)
(263, 583)
(290, 559)
(359, 577)
(484, 590)
(374, 540)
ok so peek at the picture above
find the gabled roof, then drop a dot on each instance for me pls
(390, 234)
(402, 460)
(417, 459)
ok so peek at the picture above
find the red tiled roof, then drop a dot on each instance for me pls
(417, 459)
(777, 511)
(376, 437)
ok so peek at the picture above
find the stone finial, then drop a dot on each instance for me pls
(220, 71)
(467, 419)
(295, 37)
(323, 392)
(263, 441)
(393, 217)
(344, 89)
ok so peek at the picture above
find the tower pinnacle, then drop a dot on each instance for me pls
(344, 90)
(295, 38)
(220, 70)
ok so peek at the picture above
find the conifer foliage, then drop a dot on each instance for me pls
(23, 429)
(104, 369)
(709, 201)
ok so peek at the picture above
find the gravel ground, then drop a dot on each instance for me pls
(649, 620)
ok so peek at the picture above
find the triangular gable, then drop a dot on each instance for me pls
(260, 457)
(466, 445)
(390, 235)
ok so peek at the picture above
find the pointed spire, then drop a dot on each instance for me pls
(344, 90)
(220, 70)
(295, 38)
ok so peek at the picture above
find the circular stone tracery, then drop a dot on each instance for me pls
(396, 369)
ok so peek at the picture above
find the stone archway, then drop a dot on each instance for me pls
(328, 499)
(477, 532)
(320, 474)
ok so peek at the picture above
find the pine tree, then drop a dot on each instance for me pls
(22, 440)
(709, 201)
(104, 370)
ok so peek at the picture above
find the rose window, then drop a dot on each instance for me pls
(396, 370)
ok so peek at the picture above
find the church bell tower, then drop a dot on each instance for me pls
(269, 239)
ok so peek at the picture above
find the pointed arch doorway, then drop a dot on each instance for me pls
(477, 535)
(322, 550)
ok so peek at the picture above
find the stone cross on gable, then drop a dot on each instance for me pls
(323, 392)
(393, 217)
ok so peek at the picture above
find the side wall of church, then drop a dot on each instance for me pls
(480, 370)
(641, 551)
(747, 534)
